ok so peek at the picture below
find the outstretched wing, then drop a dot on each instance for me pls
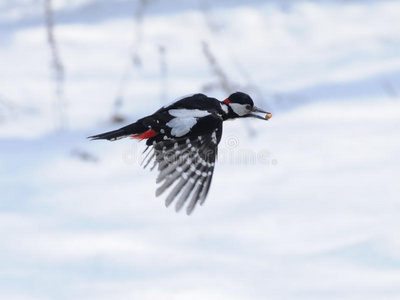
(186, 164)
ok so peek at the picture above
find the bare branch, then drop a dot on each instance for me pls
(135, 58)
(56, 66)
(163, 74)
(223, 81)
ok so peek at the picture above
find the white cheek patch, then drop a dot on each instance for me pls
(184, 120)
(239, 109)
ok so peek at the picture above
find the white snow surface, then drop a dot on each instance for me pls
(303, 206)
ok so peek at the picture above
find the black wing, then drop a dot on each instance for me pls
(187, 163)
(196, 101)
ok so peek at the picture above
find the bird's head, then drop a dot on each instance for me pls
(240, 105)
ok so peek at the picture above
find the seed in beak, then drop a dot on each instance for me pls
(268, 116)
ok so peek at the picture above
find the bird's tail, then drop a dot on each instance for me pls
(118, 134)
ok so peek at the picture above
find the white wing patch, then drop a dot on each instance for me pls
(239, 109)
(184, 120)
(185, 113)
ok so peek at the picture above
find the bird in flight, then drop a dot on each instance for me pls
(183, 139)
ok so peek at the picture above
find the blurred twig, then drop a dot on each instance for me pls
(135, 58)
(216, 30)
(163, 74)
(84, 155)
(9, 110)
(56, 65)
(138, 17)
(251, 86)
(223, 82)
(211, 22)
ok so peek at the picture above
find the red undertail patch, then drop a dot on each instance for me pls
(145, 135)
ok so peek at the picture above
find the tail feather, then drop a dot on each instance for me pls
(118, 134)
(111, 135)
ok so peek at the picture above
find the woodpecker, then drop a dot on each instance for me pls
(183, 139)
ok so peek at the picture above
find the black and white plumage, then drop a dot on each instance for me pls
(183, 140)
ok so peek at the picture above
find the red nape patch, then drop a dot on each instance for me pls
(226, 101)
(145, 135)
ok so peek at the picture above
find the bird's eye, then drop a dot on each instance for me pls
(248, 107)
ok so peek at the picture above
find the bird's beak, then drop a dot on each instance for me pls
(268, 115)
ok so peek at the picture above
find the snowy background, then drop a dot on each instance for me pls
(310, 212)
